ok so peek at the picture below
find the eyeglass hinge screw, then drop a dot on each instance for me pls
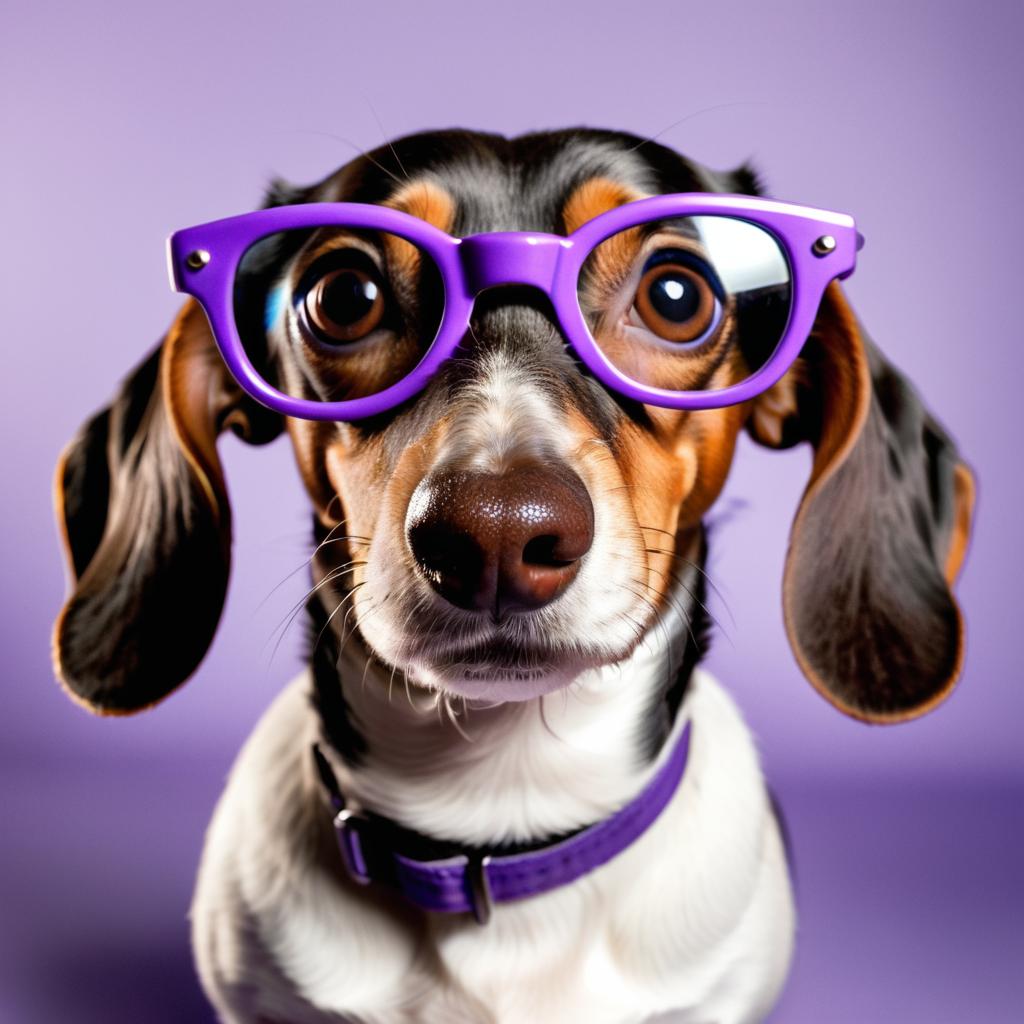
(824, 245)
(197, 260)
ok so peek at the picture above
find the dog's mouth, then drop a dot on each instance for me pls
(497, 676)
(499, 669)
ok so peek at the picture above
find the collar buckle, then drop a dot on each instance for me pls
(348, 826)
(479, 886)
(348, 823)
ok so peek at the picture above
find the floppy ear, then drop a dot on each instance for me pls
(881, 530)
(141, 500)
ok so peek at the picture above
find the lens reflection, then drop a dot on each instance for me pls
(687, 304)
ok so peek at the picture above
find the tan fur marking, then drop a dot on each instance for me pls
(670, 474)
(355, 483)
(965, 492)
(427, 201)
(187, 357)
(62, 523)
(595, 196)
(607, 265)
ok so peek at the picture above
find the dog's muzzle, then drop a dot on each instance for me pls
(500, 542)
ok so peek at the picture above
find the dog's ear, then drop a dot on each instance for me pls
(145, 517)
(881, 531)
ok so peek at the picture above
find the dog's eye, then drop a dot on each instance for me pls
(676, 298)
(344, 305)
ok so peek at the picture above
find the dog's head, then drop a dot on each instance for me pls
(515, 523)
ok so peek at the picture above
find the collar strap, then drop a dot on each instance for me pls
(474, 882)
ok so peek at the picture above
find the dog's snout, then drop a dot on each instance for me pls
(500, 542)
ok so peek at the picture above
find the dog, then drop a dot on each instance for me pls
(462, 705)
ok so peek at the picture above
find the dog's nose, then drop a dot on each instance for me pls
(500, 542)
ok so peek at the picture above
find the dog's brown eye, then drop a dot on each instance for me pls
(344, 305)
(676, 302)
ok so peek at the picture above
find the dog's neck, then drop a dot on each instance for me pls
(515, 772)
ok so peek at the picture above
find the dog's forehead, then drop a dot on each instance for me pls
(518, 184)
(527, 187)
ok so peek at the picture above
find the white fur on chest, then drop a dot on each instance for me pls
(696, 916)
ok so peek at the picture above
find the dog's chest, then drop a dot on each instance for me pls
(627, 942)
(593, 951)
(664, 925)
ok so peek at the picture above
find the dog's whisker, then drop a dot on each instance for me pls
(692, 564)
(338, 607)
(714, 108)
(330, 538)
(282, 627)
(347, 634)
(387, 138)
(346, 538)
(454, 719)
(304, 564)
(329, 577)
(670, 603)
(638, 627)
(657, 529)
(689, 563)
(348, 142)
(670, 640)
(366, 669)
(544, 718)
(669, 578)
(711, 583)
(707, 611)
(293, 612)
(336, 497)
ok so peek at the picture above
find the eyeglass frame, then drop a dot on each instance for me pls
(819, 246)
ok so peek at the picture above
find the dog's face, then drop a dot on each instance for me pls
(516, 523)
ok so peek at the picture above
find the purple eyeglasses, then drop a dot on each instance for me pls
(687, 301)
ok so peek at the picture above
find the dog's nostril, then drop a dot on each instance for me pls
(544, 550)
(443, 553)
(500, 542)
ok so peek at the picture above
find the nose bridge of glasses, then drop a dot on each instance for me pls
(511, 258)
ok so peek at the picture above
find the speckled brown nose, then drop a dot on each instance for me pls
(500, 542)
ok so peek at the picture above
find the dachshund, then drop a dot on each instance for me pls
(504, 789)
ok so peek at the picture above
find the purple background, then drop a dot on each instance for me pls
(121, 122)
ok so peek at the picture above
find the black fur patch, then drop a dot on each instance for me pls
(328, 700)
(667, 701)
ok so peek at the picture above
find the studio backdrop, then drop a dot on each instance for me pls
(123, 122)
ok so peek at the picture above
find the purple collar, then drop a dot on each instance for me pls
(473, 882)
